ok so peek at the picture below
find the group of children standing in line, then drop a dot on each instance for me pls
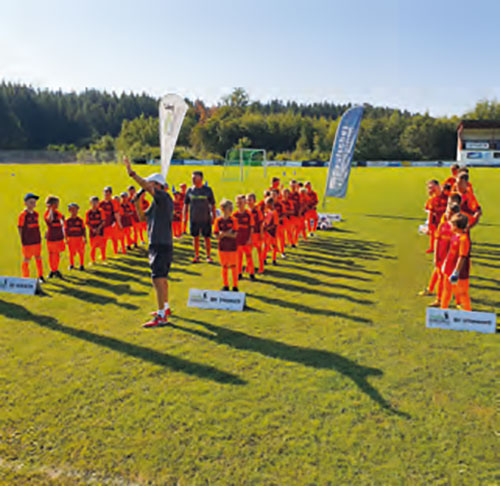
(453, 211)
(268, 226)
(112, 219)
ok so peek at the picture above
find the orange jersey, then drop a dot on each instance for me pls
(109, 209)
(295, 199)
(459, 247)
(94, 219)
(452, 180)
(312, 200)
(221, 225)
(245, 224)
(469, 205)
(55, 221)
(30, 228)
(443, 237)
(178, 208)
(74, 227)
(126, 211)
(257, 219)
(454, 188)
(436, 205)
(271, 222)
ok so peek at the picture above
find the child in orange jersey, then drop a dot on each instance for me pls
(118, 230)
(109, 208)
(225, 230)
(288, 210)
(135, 217)
(295, 217)
(75, 236)
(456, 267)
(31, 239)
(280, 231)
(442, 244)
(304, 204)
(244, 236)
(95, 220)
(453, 178)
(271, 222)
(178, 209)
(435, 206)
(311, 212)
(183, 190)
(55, 235)
(127, 211)
(469, 205)
(257, 230)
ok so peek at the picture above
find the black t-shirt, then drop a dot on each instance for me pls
(201, 200)
(159, 217)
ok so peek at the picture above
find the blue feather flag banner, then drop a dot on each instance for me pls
(339, 169)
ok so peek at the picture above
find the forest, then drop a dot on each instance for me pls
(93, 122)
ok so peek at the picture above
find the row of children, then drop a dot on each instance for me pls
(112, 219)
(453, 211)
(268, 226)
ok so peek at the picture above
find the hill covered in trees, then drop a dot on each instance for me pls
(94, 121)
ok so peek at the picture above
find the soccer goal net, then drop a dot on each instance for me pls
(238, 161)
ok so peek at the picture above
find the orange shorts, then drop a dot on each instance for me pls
(76, 244)
(228, 258)
(311, 214)
(109, 232)
(96, 242)
(56, 246)
(30, 251)
(245, 248)
(256, 240)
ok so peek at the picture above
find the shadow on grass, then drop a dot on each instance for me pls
(326, 273)
(90, 297)
(314, 260)
(301, 289)
(485, 279)
(119, 289)
(312, 281)
(287, 304)
(15, 311)
(314, 358)
(483, 264)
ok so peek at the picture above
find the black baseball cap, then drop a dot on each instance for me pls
(30, 195)
(108, 188)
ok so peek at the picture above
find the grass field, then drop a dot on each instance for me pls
(329, 377)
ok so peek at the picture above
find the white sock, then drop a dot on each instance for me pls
(166, 306)
(161, 313)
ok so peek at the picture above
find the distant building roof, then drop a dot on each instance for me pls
(487, 124)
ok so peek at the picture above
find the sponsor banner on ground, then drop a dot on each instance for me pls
(172, 111)
(457, 320)
(18, 285)
(216, 299)
(342, 153)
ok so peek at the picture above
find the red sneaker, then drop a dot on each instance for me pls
(196, 259)
(168, 312)
(156, 322)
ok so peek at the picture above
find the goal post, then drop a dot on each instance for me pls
(238, 161)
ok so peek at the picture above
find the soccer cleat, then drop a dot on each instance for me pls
(52, 274)
(82, 268)
(71, 267)
(168, 312)
(436, 303)
(58, 274)
(311, 235)
(240, 276)
(425, 293)
(252, 276)
(275, 262)
(294, 246)
(157, 321)
(196, 259)
(209, 259)
(225, 288)
(235, 289)
(41, 279)
(283, 255)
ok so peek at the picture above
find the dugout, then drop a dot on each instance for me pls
(478, 142)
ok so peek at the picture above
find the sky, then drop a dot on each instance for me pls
(439, 56)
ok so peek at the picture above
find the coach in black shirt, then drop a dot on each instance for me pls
(200, 201)
(159, 218)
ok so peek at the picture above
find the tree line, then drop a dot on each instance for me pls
(94, 122)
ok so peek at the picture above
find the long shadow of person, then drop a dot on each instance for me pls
(315, 358)
(16, 311)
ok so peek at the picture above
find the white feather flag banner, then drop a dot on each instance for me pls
(172, 111)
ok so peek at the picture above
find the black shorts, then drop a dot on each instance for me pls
(204, 228)
(160, 259)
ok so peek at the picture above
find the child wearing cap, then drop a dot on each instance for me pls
(75, 236)
(95, 220)
(55, 234)
(31, 239)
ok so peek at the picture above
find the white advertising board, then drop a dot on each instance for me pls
(18, 285)
(458, 320)
(216, 299)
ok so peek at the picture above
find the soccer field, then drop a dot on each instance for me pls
(328, 378)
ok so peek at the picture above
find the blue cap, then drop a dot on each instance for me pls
(30, 195)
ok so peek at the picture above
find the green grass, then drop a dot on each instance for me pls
(329, 377)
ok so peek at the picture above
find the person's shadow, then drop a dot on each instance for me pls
(314, 358)
(16, 311)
